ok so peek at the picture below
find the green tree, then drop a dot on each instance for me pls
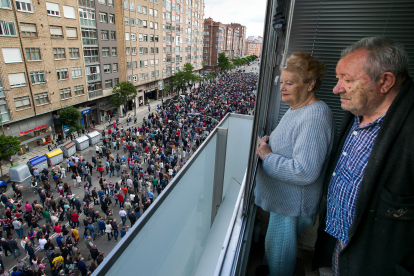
(123, 92)
(203, 63)
(189, 75)
(223, 62)
(70, 116)
(9, 145)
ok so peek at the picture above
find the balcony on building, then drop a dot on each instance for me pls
(183, 231)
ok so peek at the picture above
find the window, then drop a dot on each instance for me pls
(114, 51)
(12, 55)
(115, 67)
(113, 35)
(132, 21)
(78, 90)
(5, 4)
(103, 17)
(151, 12)
(145, 50)
(126, 5)
(87, 17)
(52, 9)
(140, 37)
(156, 38)
(133, 38)
(108, 84)
(134, 65)
(129, 78)
(155, 13)
(144, 10)
(151, 38)
(144, 23)
(141, 63)
(156, 26)
(56, 32)
(139, 9)
(65, 93)
(132, 6)
(41, 98)
(157, 73)
(107, 68)
(59, 53)
(104, 35)
(151, 25)
(102, 2)
(69, 12)
(21, 5)
(141, 50)
(142, 76)
(152, 62)
(134, 51)
(76, 72)
(17, 80)
(145, 63)
(128, 65)
(111, 3)
(105, 52)
(156, 62)
(71, 32)
(22, 102)
(37, 77)
(152, 74)
(146, 76)
(139, 23)
(62, 74)
(73, 53)
(33, 54)
(135, 78)
(111, 18)
(128, 51)
(145, 37)
(127, 36)
(7, 28)
(126, 21)
(116, 81)
(28, 29)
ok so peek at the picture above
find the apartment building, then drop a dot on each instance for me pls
(226, 38)
(41, 65)
(253, 47)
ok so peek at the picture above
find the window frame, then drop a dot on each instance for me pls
(36, 74)
(62, 72)
(64, 91)
(41, 97)
(30, 53)
(78, 88)
(58, 54)
(75, 72)
(22, 98)
(107, 51)
(72, 51)
(20, 4)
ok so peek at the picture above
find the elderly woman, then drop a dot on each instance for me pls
(294, 159)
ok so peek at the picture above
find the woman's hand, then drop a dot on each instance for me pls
(263, 148)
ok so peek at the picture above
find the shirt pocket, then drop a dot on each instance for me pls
(395, 207)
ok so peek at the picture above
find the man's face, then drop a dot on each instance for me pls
(358, 92)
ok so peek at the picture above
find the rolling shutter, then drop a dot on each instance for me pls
(28, 28)
(52, 7)
(55, 30)
(12, 55)
(325, 28)
(69, 12)
(71, 32)
(17, 79)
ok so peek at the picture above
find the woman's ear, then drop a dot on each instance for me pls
(311, 86)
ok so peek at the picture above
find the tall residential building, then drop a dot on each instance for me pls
(253, 47)
(41, 65)
(226, 38)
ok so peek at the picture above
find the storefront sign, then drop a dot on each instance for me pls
(21, 133)
(86, 111)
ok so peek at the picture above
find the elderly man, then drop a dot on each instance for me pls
(367, 207)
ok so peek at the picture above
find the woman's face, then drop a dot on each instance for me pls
(294, 91)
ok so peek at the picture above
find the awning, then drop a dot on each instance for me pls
(54, 153)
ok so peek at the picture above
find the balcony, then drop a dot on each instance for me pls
(168, 64)
(197, 225)
(94, 94)
(168, 43)
(93, 77)
(168, 31)
(87, 23)
(91, 60)
(168, 20)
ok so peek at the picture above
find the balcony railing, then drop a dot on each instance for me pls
(168, 20)
(93, 77)
(87, 23)
(93, 94)
(93, 59)
(169, 43)
(168, 63)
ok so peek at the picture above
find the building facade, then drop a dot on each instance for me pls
(253, 47)
(222, 38)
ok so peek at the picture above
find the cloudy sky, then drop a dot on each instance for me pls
(250, 13)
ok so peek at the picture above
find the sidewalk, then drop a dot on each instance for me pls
(39, 151)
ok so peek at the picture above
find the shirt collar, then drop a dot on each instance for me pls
(357, 122)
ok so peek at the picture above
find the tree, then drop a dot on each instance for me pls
(223, 62)
(203, 63)
(189, 75)
(123, 92)
(70, 116)
(9, 145)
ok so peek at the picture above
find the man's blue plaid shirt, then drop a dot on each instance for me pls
(347, 176)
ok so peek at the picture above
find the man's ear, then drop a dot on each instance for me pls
(387, 82)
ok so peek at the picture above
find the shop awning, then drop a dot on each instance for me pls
(54, 153)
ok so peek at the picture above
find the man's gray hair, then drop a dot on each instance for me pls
(385, 55)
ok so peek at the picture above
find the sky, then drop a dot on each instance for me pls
(250, 13)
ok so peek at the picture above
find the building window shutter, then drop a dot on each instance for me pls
(71, 32)
(28, 28)
(17, 79)
(56, 30)
(12, 55)
(69, 12)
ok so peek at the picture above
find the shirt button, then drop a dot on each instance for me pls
(344, 153)
(334, 174)
(354, 133)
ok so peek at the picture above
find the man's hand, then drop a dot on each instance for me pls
(263, 148)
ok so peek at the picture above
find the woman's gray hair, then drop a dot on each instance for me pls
(385, 55)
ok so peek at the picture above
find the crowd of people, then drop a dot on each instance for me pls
(144, 156)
